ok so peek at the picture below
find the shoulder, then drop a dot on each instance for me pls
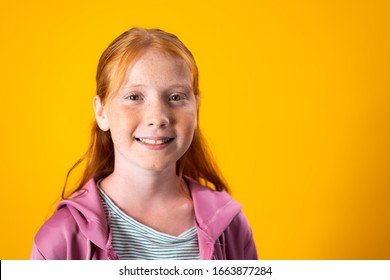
(220, 220)
(212, 207)
(75, 223)
(240, 226)
(56, 235)
(239, 239)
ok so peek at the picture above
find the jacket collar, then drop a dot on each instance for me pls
(213, 212)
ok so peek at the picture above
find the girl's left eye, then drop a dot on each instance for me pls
(176, 97)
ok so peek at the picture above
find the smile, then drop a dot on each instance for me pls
(154, 142)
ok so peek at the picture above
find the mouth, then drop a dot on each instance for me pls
(150, 141)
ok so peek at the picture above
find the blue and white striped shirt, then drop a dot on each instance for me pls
(133, 240)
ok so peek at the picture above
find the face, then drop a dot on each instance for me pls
(153, 116)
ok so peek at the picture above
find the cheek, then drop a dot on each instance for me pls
(190, 116)
(189, 122)
(122, 126)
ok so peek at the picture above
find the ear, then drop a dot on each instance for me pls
(100, 114)
(197, 100)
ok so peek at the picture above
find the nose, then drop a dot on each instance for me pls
(156, 114)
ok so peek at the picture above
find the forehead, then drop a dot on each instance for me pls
(156, 66)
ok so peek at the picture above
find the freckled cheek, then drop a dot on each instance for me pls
(123, 126)
(188, 121)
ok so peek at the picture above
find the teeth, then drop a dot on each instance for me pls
(153, 142)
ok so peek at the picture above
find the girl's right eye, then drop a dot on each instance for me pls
(133, 97)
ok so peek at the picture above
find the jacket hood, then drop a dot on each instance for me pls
(87, 210)
(214, 211)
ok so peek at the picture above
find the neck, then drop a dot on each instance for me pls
(153, 198)
(142, 186)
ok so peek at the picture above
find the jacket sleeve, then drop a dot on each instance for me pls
(250, 252)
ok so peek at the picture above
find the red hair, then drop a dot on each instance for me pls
(197, 161)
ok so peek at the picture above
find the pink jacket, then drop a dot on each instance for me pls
(79, 230)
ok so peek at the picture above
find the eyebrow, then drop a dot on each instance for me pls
(173, 86)
(182, 86)
(132, 85)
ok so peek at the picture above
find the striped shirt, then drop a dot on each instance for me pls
(133, 240)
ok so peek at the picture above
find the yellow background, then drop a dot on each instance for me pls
(295, 107)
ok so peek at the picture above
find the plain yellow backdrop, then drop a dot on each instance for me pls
(295, 107)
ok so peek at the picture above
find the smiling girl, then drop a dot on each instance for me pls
(150, 189)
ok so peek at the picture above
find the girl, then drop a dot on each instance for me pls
(150, 189)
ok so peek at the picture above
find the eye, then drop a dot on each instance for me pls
(133, 97)
(176, 97)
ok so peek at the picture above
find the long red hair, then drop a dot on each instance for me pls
(196, 163)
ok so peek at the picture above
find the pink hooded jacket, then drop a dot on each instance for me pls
(79, 230)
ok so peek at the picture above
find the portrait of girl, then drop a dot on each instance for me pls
(150, 188)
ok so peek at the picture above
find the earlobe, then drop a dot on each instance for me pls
(100, 114)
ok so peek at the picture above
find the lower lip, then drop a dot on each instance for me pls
(154, 147)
